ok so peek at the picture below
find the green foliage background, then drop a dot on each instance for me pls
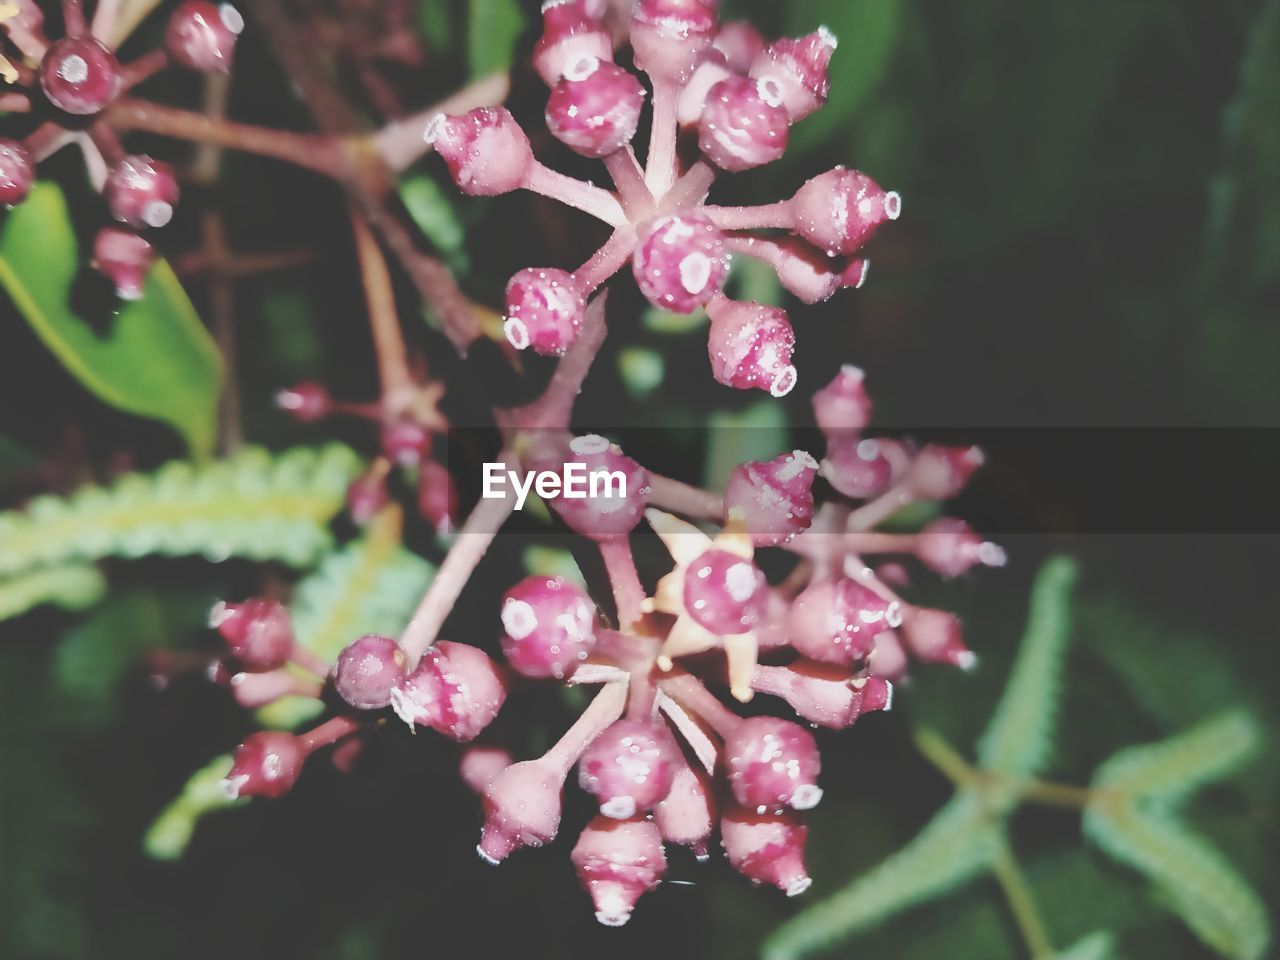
(1091, 236)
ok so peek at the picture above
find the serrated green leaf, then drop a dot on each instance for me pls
(252, 505)
(154, 358)
(1202, 887)
(171, 832)
(957, 844)
(73, 587)
(372, 586)
(492, 31)
(1169, 770)
(757, 433)
(867, 31)
(1020, 735)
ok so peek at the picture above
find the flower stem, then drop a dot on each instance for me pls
(331, 731)
(675, 496)
(1017, 893)
(384, 321)
(145, 67)
(660, 169)
(688, 692)
(628, 592)
(599, 715)
(773, 215)
(578, 194)
(73, 18)
(104, 20)
(627, 176)
(464, 556)
(691, 188)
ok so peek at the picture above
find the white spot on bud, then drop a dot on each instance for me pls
(992, 554)
(867, 450)
(588, 443)
(157, 213)
(784, 382)
(741, 581)
(893, 614)
(74, 69)
(770, 91)
(435, 127)
(518, 619)
(827, 37)
(893, 205)
(798, 886)
(806, 797)
(967, 661)
(695, 272)
(581, 68)
(619, 808)
(231, 18)
(516, 332)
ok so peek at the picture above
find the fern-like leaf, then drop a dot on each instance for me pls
(253, 505)
(1132, 818)
(958, 843)
(73, 586)
(169, 835)
(1019, 737)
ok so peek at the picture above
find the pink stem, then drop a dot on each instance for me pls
(579, 194)
(73, 18)
(675, 496)
(628, 592)
(104, 20)
(309, 661)
(30, 44)
(878, 510)
(660, 169)
(689, 692)
(641, 694)
(627, 176)
(15, 103)
(774, 215)
(145, 67)
(552, 410)
(466, 553)
(692, 188)
(593, 721)
(608, 260)
(328, 732)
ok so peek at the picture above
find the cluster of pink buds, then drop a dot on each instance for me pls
(79, 77)
(664, 758)
(720, 87)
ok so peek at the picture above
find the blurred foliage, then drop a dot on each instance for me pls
(1090, 236)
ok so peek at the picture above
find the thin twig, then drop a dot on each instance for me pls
(384, 321)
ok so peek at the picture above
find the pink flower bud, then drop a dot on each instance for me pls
(267, 764)
(936, 636)
(773, 763)
(668, 35)
(253, 690)
(545, 309)
(617, 507)
(368, 670)
(80, 75)
(307, 401)
(455, 690)
(141, 191)
(687, 813)
(772, 500)
(568, 34)
(709, 70)
(481, 763)
(367, 494)
(405, 442)
(862, 468)
(124, 258)
(17, 172)
(725, 593)
(741, 44)
(594, 108)
(743, 124)
(836, 621)
(258, 632)
(823, 694)
(951, 547)
(766, 847)
(838, 211)
(629, 767)
(618, 862)
(521, 809)
(842, 406)
(799, 67)
(940, 473)
(681, 262)
(549, 626)
(486, 151)
(202, 35)
(437, 496)
(888, 659)
(750, 347)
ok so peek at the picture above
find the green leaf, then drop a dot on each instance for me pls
(1020, 735)
(641, 370)
(1201, 886)
(251, 505)
(868, 34)
(551, 562)
(433, 210)
(1096, 946)
(661, 321)
(153, 359)
(372, 586)
(492, 31)
(171, 832)
(757, 433)
(1168, 771)
(958, 843)
(74, 587)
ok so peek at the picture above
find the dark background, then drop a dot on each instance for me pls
(1090, 238)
